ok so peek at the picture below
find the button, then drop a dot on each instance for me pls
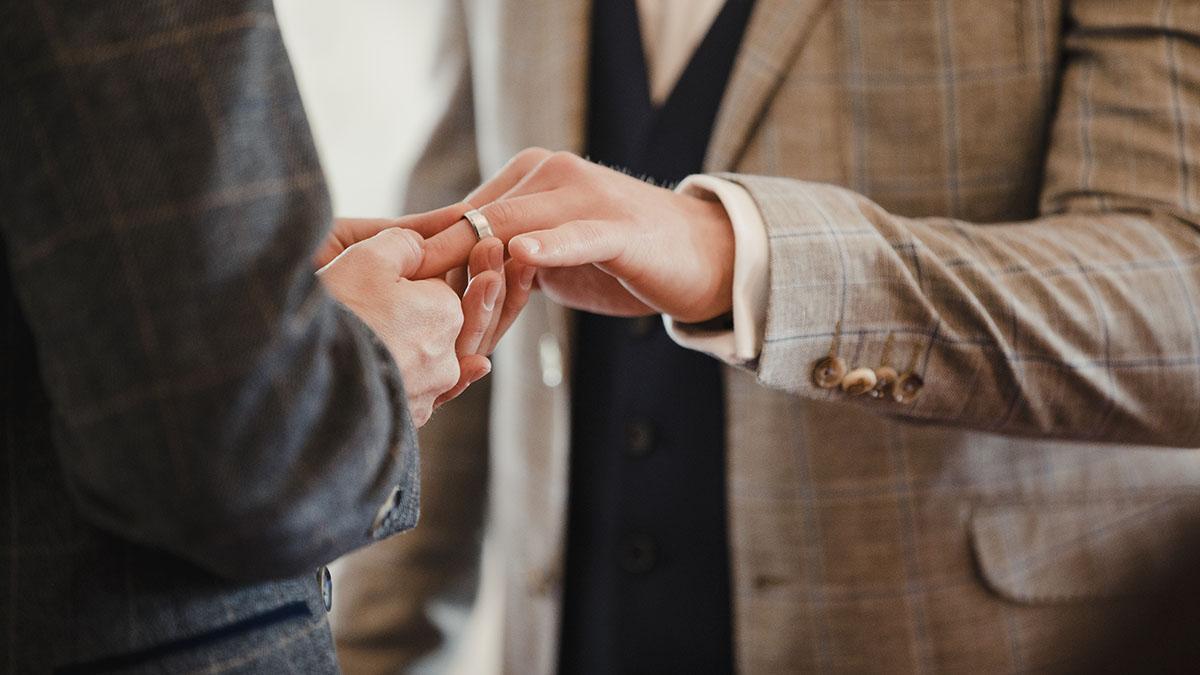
(550, 359)
(859, 381)
(885, 380)
(637, 554)
(644, 326)
(325, 580)
(908, 388)
(546, 580)
(828, 372)
(639, 438)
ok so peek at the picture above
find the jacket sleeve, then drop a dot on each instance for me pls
(1082, 323)
(162, 199)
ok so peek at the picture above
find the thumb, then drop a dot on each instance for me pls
(395, 249)
(404, 248)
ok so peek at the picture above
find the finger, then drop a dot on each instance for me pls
(495, 264)
(590, 289)
(479, 261)
(517, 168)
(397, 250)
(473, 368)
(518, 283)
(432, 222)
(581, 242)
(347, 232)
(478, 304)
(457, 279)
(508, 218)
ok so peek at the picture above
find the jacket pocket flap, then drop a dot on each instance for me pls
(1048, 553)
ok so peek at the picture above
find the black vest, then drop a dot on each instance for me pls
(647, 581)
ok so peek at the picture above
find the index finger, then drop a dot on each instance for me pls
(512, 173)
(509, 217)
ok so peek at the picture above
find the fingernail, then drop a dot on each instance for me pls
(490, 296)
(483, 373)
(527, 277)
(527, 245)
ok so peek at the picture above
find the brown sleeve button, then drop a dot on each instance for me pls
(828, 372)
(885, 381)
(859, 381)
(908, 388)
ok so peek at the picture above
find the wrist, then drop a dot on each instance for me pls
(714, 255)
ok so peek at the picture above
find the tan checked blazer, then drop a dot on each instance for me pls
(1019, 210)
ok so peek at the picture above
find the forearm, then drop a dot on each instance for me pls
(1074, 325)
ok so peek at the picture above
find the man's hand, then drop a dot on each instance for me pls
(418, 321)
(518, 278)
(605, 242)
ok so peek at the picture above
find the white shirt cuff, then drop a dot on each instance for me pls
(743, 344)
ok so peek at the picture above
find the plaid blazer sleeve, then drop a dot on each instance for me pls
(162, 199)
(1082, 323)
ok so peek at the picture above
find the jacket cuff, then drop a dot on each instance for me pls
(400, 509)
(823, 244)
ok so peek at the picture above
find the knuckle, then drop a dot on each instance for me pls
(531, 156)
(404, 240)
(563, 163)
(502, 213)
(588, 230)
(448, 374)
(372, 251)
(454, 317)
(420, 412)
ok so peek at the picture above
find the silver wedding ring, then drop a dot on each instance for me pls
(483, 229)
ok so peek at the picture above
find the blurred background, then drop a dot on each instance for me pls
(360, 65)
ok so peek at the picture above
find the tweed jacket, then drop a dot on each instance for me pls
(1000, 198)
(190, 426)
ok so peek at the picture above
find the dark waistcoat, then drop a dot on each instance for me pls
(647, 580)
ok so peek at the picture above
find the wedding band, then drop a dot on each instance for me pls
(483, 229)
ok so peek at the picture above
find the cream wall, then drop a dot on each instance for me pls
(362, 66)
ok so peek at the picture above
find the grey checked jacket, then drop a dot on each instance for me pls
(190, 425)
(1008, 188)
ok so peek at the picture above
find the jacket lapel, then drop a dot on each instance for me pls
(777, 31)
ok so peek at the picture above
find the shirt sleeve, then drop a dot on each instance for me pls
(741, 343)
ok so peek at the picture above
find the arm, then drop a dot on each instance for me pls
(1081, 323)
(1075, 324)
(162, 200)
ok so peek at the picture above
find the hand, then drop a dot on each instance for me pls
(604, 241)
(418, 321)
(491, 283)
(518, 278)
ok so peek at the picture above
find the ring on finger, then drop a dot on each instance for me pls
(479, 222)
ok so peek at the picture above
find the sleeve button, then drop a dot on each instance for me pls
(885, 382)
(908, 388)
(828, 372)
(859, 381)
